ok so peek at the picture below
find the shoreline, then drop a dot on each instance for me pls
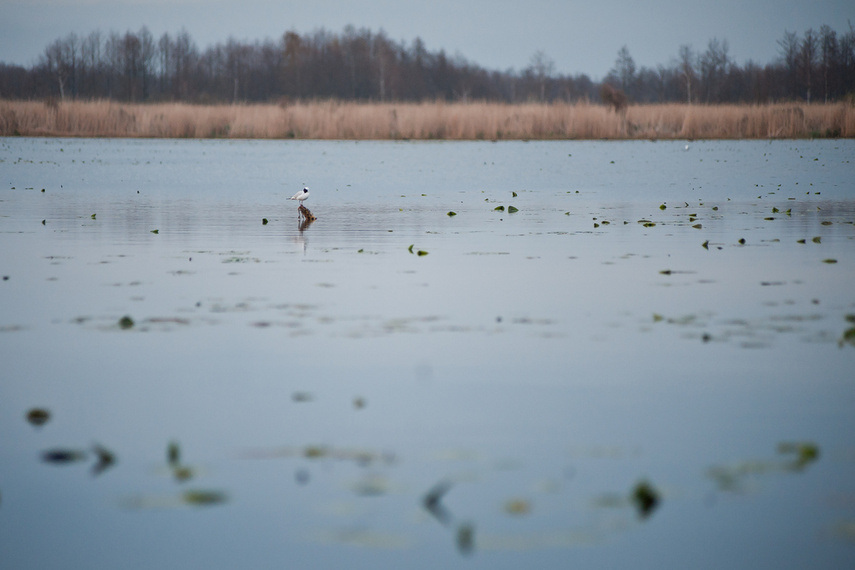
(340, 120)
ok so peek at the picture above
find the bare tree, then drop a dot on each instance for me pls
(542, 67)
(625, 69)
(807, 57)
(686, 65)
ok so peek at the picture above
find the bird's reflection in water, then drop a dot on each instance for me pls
(306, 220)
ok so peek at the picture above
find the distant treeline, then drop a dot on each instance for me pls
(360, 65)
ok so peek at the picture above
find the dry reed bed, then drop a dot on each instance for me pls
(424, 121)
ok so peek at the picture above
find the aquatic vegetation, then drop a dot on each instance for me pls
(499, 209)
(848, 336)
(645, 498)
(512, 209)
(263, 221)
(517, 507)
(805, 453)
(451, 214)
(38, 416)
(421, 253)
(126, 323)
(204, 498)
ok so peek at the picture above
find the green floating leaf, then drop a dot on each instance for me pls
(92, 216)
(514, 194)
(360, 251)
(817, 239)
(829, 260)
(499, 209)
(204, 498)
(512, 209)
(805, 453)
(662, 206)
(410, 249)
(697, 226)
(126, 322)
(421, 252)
(263, 221)
(450, 214)
(155, 231)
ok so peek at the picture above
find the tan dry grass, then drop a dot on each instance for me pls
(424, 121)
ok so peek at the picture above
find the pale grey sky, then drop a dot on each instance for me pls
(580, 36)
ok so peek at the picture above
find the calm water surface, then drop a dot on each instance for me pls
(653, 316)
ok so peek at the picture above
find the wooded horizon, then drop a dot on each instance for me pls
(360, 65)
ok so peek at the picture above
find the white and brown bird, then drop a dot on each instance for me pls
(301, 195)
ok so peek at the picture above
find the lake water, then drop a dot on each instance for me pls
(648, 364)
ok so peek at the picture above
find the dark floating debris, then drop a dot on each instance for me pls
(173, 454)
(106, 459)
(465, 539)
(263, 221)
(451, 214)
(421, 252)
(499, 209)
(302, 397)
(63, 456)
(645, 498)
(38, 416)
(432, 502)
(155, 231)
(126, 323)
